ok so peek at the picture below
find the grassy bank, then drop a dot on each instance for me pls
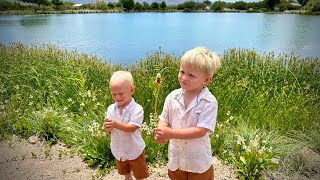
(268, 118)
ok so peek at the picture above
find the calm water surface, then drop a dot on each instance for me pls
(128, 37)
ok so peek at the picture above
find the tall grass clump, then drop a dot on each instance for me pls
(268, 117)
(271, 94)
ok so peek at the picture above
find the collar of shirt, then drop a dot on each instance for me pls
(203, 95)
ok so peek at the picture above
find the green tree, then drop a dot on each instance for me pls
(240, 5)
(138, 7)
(128, 5)
(218, 6)
(303, 2)
(146, 6)
(154, 5)
(163, 5)
(313, 5)
(111, 5)
(207, 2)
(37, 2)
(57, 3)
(271, 3)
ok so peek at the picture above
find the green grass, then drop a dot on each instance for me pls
(268, 105)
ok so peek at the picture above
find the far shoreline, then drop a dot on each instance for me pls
(94, 11)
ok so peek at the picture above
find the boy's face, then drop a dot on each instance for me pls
(121, 92)
(192, 80)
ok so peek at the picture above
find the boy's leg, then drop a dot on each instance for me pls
(139, 167)
(128, 176)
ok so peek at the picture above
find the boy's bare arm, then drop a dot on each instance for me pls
(109, 124)
(185, 133)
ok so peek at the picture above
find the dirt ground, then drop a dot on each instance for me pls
(21, 160)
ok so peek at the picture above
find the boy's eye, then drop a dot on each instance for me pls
(182, 72)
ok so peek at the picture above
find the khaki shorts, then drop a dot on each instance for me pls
(181, 175)
(138, 167)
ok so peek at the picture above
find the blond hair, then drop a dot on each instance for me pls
(122, 75)
(201, 58)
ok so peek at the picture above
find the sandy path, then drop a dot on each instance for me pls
(20, 160)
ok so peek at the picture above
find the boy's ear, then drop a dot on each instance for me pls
(208, 80)
(132, 89)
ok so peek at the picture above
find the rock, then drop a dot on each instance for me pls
(33, 139)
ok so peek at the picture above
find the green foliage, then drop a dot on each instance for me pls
(127, 4)
(218, 6)
(268, 105)
(38, 2)
(303, 2)
(138, 7)
(6, 5)
(163, 5)
(313, 5)
(154, 5)
(271, 3)
(240, 5)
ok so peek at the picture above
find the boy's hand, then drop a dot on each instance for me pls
(160, 141)
(162, 134)
(109, 124)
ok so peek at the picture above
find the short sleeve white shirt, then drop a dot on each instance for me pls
(191, 155)
(126, 145)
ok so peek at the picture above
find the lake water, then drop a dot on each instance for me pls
(127, 37)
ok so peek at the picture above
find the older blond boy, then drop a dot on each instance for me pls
(188, 116)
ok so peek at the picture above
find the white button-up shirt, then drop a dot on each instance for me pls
(191, 155)
(126, 145)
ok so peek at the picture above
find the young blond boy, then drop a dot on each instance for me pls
(188, 116)
(123, 119)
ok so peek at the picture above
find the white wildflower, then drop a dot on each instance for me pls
(82, 104)
(240, 140)
(56, 93)
(17, 87)
(69, 100)
(30, 97)
(89, 93)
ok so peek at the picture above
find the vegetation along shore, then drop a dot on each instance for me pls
(8, 7)
(268, 118)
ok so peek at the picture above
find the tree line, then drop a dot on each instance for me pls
(188, 6)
